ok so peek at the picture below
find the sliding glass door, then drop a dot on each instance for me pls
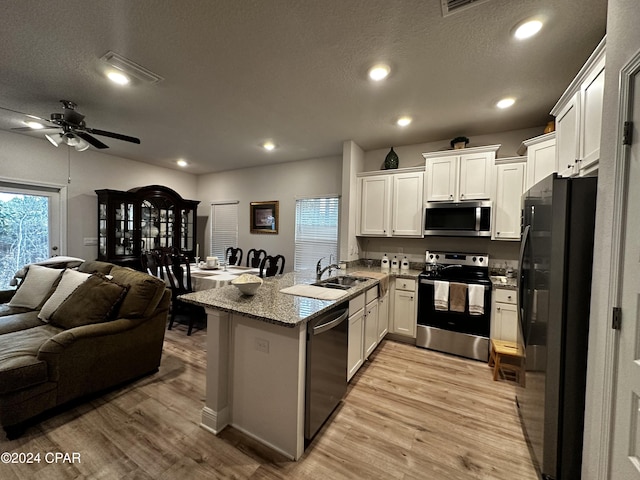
(30, 226)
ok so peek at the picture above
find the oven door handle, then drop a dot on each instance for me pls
(426, 281)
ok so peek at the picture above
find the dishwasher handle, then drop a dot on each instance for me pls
(331, 321)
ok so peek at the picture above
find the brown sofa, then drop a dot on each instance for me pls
(109, 330)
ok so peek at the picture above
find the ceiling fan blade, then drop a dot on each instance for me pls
(28, 115)
(29, 129)
(117, 136)
(92, 140)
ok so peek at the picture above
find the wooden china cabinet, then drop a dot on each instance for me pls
(142, 219)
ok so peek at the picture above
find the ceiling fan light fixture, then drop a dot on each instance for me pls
(34, 125)
(81, 146)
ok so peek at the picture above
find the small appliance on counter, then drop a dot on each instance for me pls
(404, 264)
(384, 263)
(454, 304)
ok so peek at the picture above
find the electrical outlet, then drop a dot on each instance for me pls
(262, 345)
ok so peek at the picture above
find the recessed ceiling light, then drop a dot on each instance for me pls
(379, 72)
(506, 102)
(34, 125)
(404, 121)
(182, 163)
(268, 146)
(528, 29)
(118, 77)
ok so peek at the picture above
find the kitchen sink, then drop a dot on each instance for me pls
(343, 282)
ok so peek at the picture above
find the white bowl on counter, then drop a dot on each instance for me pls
(247, 284)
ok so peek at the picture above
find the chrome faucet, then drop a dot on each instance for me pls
(320, 270)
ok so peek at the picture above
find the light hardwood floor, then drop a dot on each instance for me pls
(409, 414)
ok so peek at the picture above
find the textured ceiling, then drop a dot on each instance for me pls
(239, 72)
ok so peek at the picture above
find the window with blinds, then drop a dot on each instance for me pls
(224, 228)
(317, 221)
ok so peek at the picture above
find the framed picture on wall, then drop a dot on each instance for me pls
(264, 217)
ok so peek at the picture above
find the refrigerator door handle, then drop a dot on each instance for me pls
(523, 246)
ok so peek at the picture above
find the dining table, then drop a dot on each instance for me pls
(203, 278)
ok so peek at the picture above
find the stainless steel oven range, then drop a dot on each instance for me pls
(454, 304)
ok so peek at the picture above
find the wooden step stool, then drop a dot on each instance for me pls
(507, 359)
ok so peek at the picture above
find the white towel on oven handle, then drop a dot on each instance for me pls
(476, 299)
(441, 295)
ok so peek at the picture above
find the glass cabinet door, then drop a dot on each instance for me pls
(186, 230)
(124, 223)
(102, 229)
(156, 226)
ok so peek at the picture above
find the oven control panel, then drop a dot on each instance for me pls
(466, 259)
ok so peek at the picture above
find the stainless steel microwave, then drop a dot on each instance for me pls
(460, 219)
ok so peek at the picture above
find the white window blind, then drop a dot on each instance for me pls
(317, 221)
(224, 228)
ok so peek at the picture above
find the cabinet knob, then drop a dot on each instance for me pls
(497, 233)
(451, 196)
(577, 160)
(569, 166)
(462, 195)
(509, 297)
(498, 308)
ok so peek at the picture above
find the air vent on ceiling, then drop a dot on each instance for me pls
(449, 7)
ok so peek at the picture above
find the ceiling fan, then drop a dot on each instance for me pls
(75, 132)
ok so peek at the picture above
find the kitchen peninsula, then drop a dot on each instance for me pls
(256, 353)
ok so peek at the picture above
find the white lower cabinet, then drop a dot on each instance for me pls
(405, 307)
(355, 352)
(370, 327)
(505, 316)
(383, 316)
(364, 329)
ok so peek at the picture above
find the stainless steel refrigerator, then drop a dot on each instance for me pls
(554, 290)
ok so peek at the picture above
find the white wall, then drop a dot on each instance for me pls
(283, 182)
(411, 155)
(623, 41)
(31, 159)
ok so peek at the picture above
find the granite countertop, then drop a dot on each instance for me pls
(270, 305)
(499, 281)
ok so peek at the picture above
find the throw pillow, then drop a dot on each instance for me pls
(92, 302)
(35, 287)
(70, 280)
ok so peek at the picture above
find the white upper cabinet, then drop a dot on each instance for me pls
(507, 203)
(391, 204)
(375, 194)
(460, 175)
(541, 158)
(407, 204)
(579, 118)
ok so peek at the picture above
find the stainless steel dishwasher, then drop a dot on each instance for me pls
(326, 382)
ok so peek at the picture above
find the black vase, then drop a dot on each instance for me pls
(391, 160)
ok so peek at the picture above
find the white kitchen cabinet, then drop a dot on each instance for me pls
(383, 316)
(375, 194)
(407, 204)
(405, 307)
(460, 175)
(391, 204)
(567, 136)
(355, 352)
(506, 206)
(505, 316)
(541, 158)
(370, 327)
(579, 118)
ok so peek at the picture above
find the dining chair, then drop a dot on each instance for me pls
(179, 276)
(271, 265)
(233, 256)
(255, 257)
(152, 263)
